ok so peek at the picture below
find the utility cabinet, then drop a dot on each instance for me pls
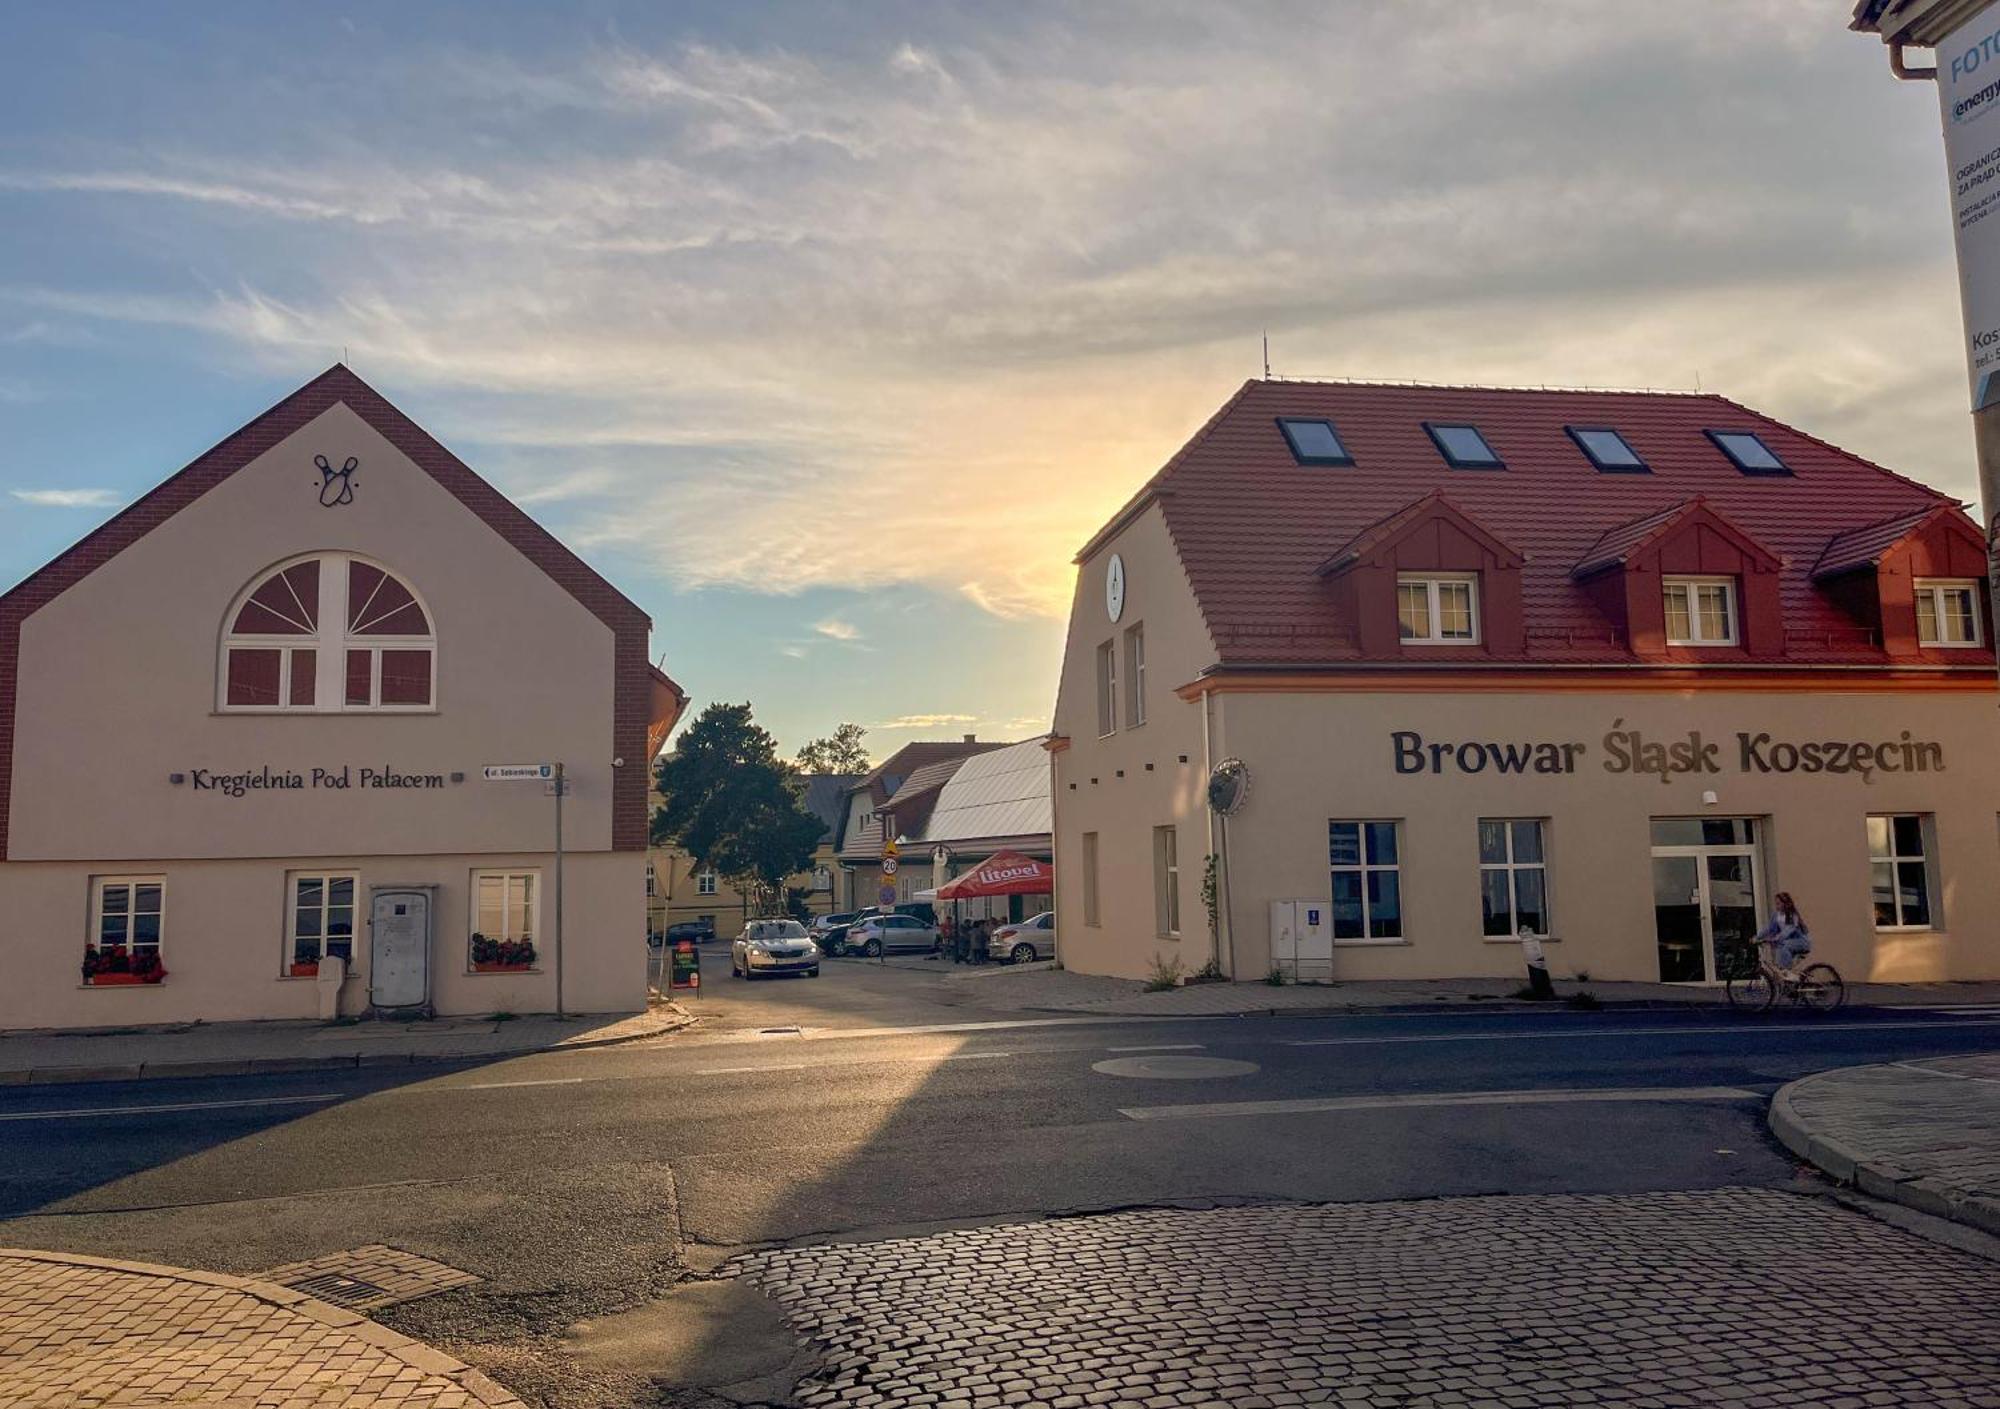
(399, 949)
(1302, 940)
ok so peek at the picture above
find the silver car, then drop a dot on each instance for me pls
(773, 947)
(1025, 942)
(879, 934)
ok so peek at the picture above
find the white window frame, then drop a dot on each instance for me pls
(326, 880)
(1693, 588)
(1135, 675)
(1093, 916)
(1432, 585)
(131, 884)
(1513, 866)
(1167, 882)
(1363, 868)
(652, 882)
(329, 644)
(508, 876)
(705, 882)
(1896, 860)
(1107, 688)
(1934, 590)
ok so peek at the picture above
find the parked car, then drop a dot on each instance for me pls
(829, 930)
(880, 934)
(1023, 943)
(699, 931)
(773, 947)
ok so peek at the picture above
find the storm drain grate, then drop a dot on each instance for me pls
(362, 1279)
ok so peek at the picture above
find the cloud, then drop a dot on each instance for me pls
(70, 498)
(837, 630)
(738, 312)
(923, 721)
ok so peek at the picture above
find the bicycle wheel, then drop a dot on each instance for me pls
(1752, 993)
(1821, 988)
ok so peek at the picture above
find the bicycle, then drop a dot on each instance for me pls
(1756, 985)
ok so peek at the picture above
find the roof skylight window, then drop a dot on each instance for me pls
(1463, 447)
(1607, 449)
(1314, 442)
(1748, 453)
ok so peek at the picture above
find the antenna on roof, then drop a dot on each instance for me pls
(1267, 354)
(1697, 379)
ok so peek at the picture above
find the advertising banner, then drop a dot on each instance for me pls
(1968, 84)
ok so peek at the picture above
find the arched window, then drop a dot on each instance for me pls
(328, 633)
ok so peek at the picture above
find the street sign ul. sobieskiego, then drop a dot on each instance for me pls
(520, 772)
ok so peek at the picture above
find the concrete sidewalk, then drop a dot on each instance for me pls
(78, 1331)
(1925, 1133)
(1042, 987)
(239, 1049)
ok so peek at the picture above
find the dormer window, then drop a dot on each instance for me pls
(1701, 611)
(1314, 442)
(1608, 450)
(1437, 609)
(1947, 612)
(1748, 452)
(1463, 447)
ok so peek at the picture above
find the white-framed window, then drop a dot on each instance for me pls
(1090, 911)
(1365, 860)
(1947, 612)
(1167, 880)
(1513, 877)
(652, 881)
(1107, 688)
(327, 633)
(1701, 611)
(127, 925)
(1135, 676)
(1899, 870)
(505, 922)
(319, 918)
(704, 883)
(1437, 609)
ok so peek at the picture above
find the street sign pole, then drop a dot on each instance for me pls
(560, 790)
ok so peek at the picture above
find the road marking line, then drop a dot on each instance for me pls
(1734, 1028)
(856, 1062)
(728, 1071)
(1161, 1047)
(508, 1085)
(174, 1106)
(1947, 1075)
(1440, 1098)
(957, 1057)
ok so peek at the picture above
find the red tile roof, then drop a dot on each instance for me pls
(1254, 528)
(1867, 545)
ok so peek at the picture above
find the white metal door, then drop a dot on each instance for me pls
(399, 948)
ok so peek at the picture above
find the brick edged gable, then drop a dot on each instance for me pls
(630, 626)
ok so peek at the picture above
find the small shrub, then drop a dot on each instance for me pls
(1167, 973)
(1211, 972)
(1276, 978)
(1585, 1000)
(503, 1016)
(1583, 975)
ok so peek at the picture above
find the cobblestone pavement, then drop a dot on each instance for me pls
(1748, 1297)
(77, 1332)
(1923, 1133)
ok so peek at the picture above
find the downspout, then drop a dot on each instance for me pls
(1224, 937)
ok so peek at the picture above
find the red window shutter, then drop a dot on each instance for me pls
(406, 677)
(360, 677)
(305, 676)
(253, 676)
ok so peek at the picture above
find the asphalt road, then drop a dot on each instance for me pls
(577, 1183)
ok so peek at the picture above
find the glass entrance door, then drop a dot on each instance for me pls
(1706, 896)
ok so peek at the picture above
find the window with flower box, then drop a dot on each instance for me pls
(504, 921)
(319, 908)
(127, 923)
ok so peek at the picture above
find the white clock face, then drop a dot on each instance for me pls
(1114, 587)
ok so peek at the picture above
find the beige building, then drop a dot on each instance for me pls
(244, 734)
(680, 892)
(1613, 668)
(889, 803)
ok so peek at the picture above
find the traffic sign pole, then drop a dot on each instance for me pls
(560, 790)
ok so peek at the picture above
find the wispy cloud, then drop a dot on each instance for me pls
(906, 722)
(837, 630)
(70, 498)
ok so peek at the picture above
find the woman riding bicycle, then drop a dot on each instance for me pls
(1784, 939)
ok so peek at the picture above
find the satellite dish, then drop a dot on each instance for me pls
(1228, 786)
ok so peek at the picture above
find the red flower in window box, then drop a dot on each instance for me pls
(111, 966)
(501, 956)
(305, 968)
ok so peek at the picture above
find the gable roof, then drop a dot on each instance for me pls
(1001, 796)
(1626, 542)
(338, 385)
(888, 778)
(1251, 525)
(826, 798)
(1866, 546)
(1386, 533)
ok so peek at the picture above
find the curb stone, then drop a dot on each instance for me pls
(254, 1066)
(411, 1352)
(1878, 1176)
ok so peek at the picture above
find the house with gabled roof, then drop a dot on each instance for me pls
(281, 738)
(1607, 668)
(881, 806)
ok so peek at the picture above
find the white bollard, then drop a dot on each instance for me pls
(332, 973)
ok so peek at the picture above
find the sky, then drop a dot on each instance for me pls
(830, 331)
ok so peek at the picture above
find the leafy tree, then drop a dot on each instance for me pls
(842, 753)
(733, 805)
